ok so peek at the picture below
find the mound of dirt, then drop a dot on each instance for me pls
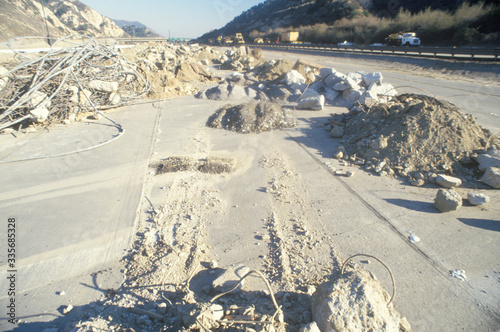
(175, 164)
(252, 117)
(211, 165)
(413, 134)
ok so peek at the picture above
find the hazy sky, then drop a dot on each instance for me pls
(183, 18)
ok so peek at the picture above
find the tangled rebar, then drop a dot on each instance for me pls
(69, 80)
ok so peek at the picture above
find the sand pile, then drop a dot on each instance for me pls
(252, 117)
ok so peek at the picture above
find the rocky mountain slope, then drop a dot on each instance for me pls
(25, 18)
(136, 29)
(272, 16)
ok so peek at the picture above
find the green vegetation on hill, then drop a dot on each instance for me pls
(437, 22)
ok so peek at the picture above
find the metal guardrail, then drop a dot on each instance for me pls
(459, 53)
(484, 54)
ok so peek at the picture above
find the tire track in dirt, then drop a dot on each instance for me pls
(300, 252)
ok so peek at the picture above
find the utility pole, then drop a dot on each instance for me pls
(46, 25)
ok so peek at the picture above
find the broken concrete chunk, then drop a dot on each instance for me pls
(353, 96)
(220, 92)
(41, 114)
(309, 93)
(278, 94)
(489, 159)
(373, 78)
(334, 307)
(477, 199)
(386, 89)
(325, 72)
(67, 309)
(341, 86)
(293, 77)
(312, 103)
(103, 86)
(492, 177)
(114, 98)
(372, 92)
(447, 200)
(237, 92)
(334, 78)
(39, 99)
(448, 181)
(355, 78)
(331, 95)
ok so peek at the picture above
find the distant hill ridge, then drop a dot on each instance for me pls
(22, 18)
(135, 28)
(367, 20)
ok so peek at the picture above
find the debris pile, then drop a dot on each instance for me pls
(252, 117)
(212, 165)
(415, 135)
(308, 84)
(63, 83)
(242, 58)
(311, 86)
(174, 70)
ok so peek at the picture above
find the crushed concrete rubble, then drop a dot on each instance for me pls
(418, 137)
(174, 70)
(62, 83)
(252, 117)
(308, 84)
(334, 307)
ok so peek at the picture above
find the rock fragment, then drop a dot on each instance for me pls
(477, 199)
(337, 132)
(447, 200)
(312, 103)
(489, 159)
(335, 308)
(492, 177)
(447, 181)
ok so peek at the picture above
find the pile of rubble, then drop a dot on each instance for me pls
(252, 117)
(422, 138)
(174, 70)
(64, 82)
(308, 84)
(242, 59)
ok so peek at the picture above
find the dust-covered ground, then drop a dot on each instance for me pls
(219, 205)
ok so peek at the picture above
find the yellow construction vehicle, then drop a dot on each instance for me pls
(238, 39)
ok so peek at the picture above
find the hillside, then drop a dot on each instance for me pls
(368, 21)
(135, 28)
(20, 18)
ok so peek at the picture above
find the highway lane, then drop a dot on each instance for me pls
(75, 214)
